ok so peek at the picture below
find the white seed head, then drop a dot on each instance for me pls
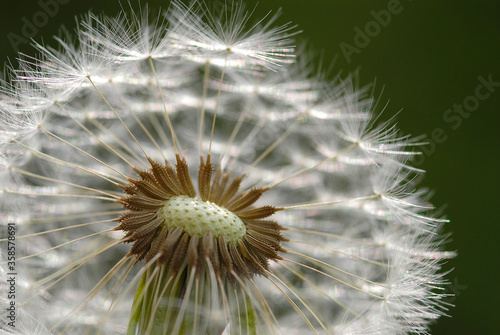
(100, 141)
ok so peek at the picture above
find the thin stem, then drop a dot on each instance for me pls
(89, 295)
(82, 151)
(334, 268)
(293, 304)
(78, 263)
(167, 118)
(306, 170)
(58, 229)
(340, 237)
(334, 202)
(120, 280)
(351, 255)
(271, 147)
(235, 131)
(62, 245)
(61, 162)
(59, 195)
(154, 122)
(334, 278)
(116, 114)
(318, 289)
(204, 98)
(217, 101)
(88, 131)
(74, 217)
(26, 173)
(128, 150)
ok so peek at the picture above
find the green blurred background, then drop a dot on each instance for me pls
(427, 58)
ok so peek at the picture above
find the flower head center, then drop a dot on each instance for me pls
(199, 217)
(167, 220)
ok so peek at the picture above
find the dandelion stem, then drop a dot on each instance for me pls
(82, 151)
(306, 170)
(62, 162)
(63, 244)
(323, 264)
(94, 290)
(167, 118)
(335, 236)
(74, 217)
(58, 229)
(203, 101)
(272, 147)
(293, 304)
(235, 131)
(154, 122)
(318, 289)
(128, 149)
(63, 195)
(26, 173)
(217, 101)
(102, 128)
(335, 278)
(116, 114)
(334, 202)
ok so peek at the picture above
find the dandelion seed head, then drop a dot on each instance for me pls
(188, 172)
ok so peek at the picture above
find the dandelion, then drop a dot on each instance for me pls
(189, 175)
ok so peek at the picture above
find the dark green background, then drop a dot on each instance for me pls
(427, 59)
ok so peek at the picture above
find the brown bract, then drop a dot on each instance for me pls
(151, 238)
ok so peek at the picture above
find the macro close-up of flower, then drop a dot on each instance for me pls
(196, 171)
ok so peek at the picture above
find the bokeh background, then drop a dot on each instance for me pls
(428, 58)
